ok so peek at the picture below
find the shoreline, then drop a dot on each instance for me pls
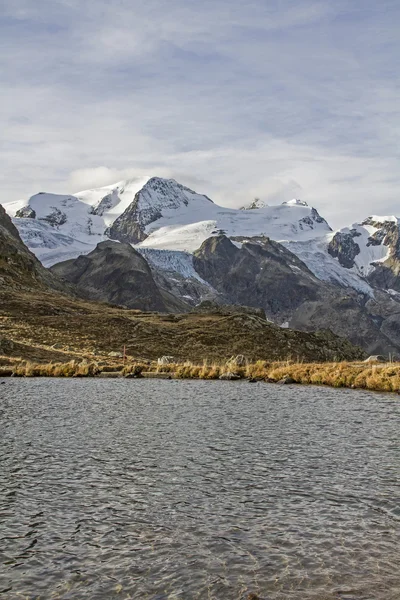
(379, 377)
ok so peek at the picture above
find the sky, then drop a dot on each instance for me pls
(273, 99)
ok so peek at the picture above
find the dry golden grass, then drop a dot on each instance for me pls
(69, 369)
(385, 378)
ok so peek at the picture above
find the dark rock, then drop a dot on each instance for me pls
(260, 274)
(287, 381)
(6, 346)
(26, 212)
(344, 248)
(136, 372)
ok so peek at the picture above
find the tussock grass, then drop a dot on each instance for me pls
(69, 369)
(385, 377)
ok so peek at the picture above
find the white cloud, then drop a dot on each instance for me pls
(296, 98)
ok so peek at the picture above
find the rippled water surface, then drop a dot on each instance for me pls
(181, 489)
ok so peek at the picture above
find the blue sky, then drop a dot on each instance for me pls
(275, 99)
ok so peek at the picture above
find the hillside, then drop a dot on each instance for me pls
(44, 319)
(82, 329)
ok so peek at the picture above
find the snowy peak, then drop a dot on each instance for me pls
(257, 203)
(368, 245)
(296, 202)
(154, 213)
(377, 221)
(111, 201)
(158, 200)
(159, 196)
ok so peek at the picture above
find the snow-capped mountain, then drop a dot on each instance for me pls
(283, 259)
(363, 256)
(153, 213)
(157, 214)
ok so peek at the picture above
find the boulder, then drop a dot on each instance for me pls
(166, 360)
(287, 381)
(229, 376)
(116, 354)
(6, 346)
(377, 358)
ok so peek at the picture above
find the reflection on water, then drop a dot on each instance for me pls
(181, 489)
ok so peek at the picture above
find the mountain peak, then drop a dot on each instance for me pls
(257, 203)
(296, 202)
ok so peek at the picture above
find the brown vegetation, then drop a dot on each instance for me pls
(384, 378)
(51, 327)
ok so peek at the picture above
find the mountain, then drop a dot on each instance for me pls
(161, 214)
(118, 274)
(263, 273)
(284, 259)
(43, 319)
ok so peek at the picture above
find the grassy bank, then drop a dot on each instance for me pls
(385, 378)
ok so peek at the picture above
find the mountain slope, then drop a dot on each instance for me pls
(19, 268)
(258, 273)
(117, 274)
(262, 273)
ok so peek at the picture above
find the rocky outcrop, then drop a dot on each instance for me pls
(157, 196)
(262, 273)
(117, 274)
(386, 274)
(344, 248)
(166, 360)
(377, 358)
(26, 212)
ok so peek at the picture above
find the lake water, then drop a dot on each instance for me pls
(158, 489)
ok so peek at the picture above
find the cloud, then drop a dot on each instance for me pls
(293, 98)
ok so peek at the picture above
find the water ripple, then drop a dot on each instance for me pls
(204, 490)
